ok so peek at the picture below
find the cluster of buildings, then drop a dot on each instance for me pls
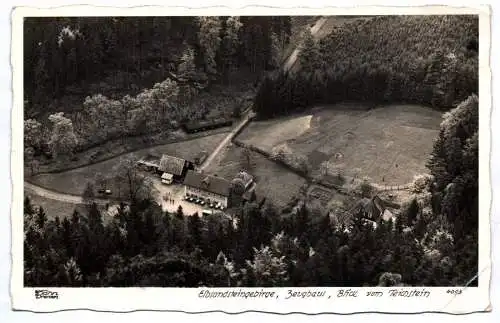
(197, 185)
(373, 209)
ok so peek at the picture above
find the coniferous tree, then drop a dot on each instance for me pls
(412, 212)
(194, 229)
(41, 217)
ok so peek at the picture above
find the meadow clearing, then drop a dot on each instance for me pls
(274, 182)
(387, 144)
(53, 208)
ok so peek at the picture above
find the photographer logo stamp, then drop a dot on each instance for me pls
(45, 294)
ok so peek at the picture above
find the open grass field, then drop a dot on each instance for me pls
(54, 208)
(74, 181)
(388, 144)
(274, 182)
(61, 209)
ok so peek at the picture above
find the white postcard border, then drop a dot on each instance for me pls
(471, 299)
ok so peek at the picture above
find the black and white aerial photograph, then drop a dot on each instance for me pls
(251, 151)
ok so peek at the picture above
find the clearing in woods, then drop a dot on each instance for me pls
(387, 144)
(274, 182)
(54, 208)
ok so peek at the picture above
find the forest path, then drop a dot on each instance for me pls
(226, 140)
(292, 59)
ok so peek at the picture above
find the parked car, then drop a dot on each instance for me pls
(107, 192)
(206, 212)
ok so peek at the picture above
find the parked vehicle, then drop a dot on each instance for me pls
(167, 178)
(206, 212)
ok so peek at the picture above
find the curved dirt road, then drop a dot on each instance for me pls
(69, 198)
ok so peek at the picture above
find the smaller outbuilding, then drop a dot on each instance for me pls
(246, 178)
(204, 125)
(173, 168)
(167, 178)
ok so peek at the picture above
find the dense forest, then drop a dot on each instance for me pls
(432, 243)
(63, 55)
(428, 60)
(88, 80)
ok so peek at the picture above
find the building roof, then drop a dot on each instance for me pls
(245, 177)
(167, 176)
(220, 122)
(372, 207)
(387, 215)
(207, 183)
(172, 165)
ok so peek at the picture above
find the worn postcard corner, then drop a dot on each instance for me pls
(297, 160)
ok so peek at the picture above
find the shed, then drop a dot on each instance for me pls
(167, 178)
(246, 178)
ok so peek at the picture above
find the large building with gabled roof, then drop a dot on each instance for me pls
(208, 187)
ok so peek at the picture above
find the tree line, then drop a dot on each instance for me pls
(142, 246)
(433, 242)
(429, 60)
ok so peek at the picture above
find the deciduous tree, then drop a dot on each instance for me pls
(267, 269)
(63, 139)
(33, 134)
(135, 185)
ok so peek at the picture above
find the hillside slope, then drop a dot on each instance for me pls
(430, 60)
